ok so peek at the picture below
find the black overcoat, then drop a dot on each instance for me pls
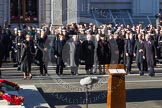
(26, 57)
(58, 47)
(104, 52)
(88, 52)
(150, 52)
(139, 55)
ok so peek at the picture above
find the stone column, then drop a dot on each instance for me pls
(57, 9)
(41, 12)
(47, 11)
(6, 11)
(143, 8)
(1, 12)
(73, 11)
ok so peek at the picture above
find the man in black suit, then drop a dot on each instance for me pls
(139, 53)
(150, 53)
(88, 48)
(129, 47)
(59, 43)
(1, 54)
(159, 47)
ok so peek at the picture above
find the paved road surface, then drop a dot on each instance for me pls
(65, 91)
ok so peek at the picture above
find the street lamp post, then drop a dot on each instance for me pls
(19, 13)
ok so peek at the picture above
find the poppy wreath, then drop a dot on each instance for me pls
(9, 85)
(16, 100)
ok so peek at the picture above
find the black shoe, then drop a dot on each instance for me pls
(46, 74)
(15, 65)
(141, 73)
(130, 72)
(18, 68)
(72, 73)
(152, 75)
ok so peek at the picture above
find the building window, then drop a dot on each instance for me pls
(28, 11)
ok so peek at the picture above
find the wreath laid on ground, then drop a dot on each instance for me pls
(10, 86)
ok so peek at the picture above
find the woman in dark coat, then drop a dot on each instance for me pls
(26, 58)
(103, 53)
(59, 43)
(88, 53)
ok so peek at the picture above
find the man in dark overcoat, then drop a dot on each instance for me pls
(139, 53)
(1, 55)
(150, 52)
(103, 53)
(159, 47)
(43, 53)
(6, 42)
(88, 53)
(59, 43)
(129, 48)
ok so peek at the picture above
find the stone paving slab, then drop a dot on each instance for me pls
(33, 99)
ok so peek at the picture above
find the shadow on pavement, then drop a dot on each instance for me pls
(140, 95)
(99, 97)
(73, 98)
(73, 106)
(32, 99)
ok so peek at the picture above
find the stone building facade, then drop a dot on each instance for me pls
(59, 12)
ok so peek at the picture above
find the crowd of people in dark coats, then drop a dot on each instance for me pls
(82, 44)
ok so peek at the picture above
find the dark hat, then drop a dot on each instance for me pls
(102, 35)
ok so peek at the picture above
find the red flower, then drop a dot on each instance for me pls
(14, 85)
(17, 100)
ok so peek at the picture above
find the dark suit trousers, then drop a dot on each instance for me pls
(151, 69)
(59, 69)
(0, 66)
(88, 66)
(42, 66)
(129, 62)
(140, 67)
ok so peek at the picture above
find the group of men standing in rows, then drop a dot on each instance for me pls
(78, 44)
(119, 46)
